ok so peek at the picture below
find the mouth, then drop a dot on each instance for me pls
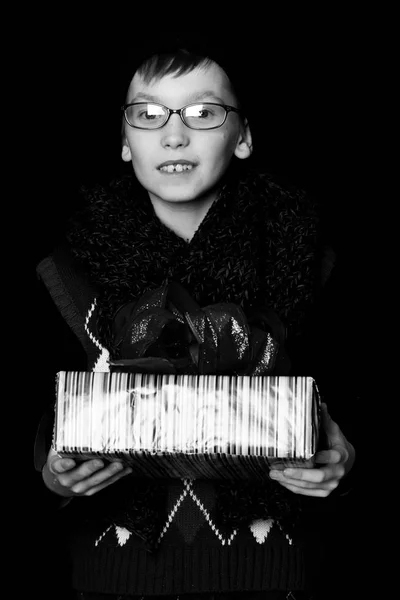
(176, 166)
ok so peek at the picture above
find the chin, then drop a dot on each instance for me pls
(177, 198)
(176, 193)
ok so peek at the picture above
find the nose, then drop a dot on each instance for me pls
(175, 134)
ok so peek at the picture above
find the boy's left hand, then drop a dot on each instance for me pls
(337, 461)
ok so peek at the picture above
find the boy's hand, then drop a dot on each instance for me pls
(337, 461)
(66, 477)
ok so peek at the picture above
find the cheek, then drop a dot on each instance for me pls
(141, 162)
(224, 146)
(141, 155)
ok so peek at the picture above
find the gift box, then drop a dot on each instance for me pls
(188, 426)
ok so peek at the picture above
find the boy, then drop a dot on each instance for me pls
(191, 214)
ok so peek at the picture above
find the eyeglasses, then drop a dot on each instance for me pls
(147, 115)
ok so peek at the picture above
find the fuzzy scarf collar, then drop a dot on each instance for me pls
(256, 247)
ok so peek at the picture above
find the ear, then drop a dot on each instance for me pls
(126, 151)
(244, 145)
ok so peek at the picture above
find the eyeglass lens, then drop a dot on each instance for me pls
(197, 116)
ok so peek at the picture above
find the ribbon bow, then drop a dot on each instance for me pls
(166, 331)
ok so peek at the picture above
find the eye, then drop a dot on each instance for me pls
(148, 116)
(149, 112)
(199, 111)
(204, 113)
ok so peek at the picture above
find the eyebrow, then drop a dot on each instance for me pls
(143, 96)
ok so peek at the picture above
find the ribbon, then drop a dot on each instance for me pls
(166, 331)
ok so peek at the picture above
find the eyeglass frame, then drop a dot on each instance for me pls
(178, 111)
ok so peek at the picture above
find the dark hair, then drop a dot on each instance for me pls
(169, 53)
(173, 63)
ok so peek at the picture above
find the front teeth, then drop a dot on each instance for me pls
(179, 168)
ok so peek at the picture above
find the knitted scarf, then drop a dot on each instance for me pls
(256, 247)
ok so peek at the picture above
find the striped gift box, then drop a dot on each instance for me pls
(195, 426)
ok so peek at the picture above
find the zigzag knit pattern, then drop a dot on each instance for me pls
(102, 362)
(260, 528)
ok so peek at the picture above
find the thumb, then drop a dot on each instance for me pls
(330, 427)
(333, 433)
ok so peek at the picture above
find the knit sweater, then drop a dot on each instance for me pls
(258, 246)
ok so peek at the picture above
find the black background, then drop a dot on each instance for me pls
(319, 78)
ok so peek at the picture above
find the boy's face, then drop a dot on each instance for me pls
(209, 151)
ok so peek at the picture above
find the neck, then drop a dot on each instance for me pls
(183, 218)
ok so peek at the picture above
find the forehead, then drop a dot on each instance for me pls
(204, 82)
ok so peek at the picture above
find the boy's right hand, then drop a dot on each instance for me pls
(67, 477)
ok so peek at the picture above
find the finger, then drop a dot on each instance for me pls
(81, 472)
(320, 492)
(309, 477)
(331, 480)
(60, 465)
(101, 480)
(94, 490)
(97, 478)
(332, 456)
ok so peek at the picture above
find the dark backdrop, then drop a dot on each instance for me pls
(68, 131)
